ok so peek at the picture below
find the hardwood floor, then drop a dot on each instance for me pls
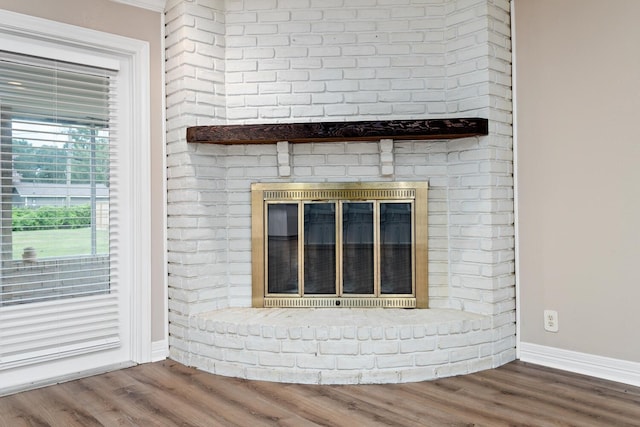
(169, 394)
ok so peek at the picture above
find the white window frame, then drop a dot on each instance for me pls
(49, 39)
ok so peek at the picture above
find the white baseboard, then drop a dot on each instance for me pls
(159, 350)
(588, 364)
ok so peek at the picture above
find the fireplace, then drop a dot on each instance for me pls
(339, 244)
(427, 70)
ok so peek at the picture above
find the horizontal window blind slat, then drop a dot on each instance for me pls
(44, 312)
(60, 338)
(75, 290)
(73, 122)
(23, 297)
(21, 336)
(17, 74)
(50, 286)
(73, 269)
(63, 332)
(36, 92)
(22, 82)
(45, 278)
(34, 297)
(71, 99)
(58, 144)
(84, 341)
(69, 350)
(61, 114)
(76, 337)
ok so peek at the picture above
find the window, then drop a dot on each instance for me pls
(55, 152)
(343, 244)
(59, 336)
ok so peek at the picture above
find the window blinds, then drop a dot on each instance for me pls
(58, 287)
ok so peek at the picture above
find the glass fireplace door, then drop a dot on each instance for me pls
(282, 243)
(358, 250)
(396, 257)
(319, 249)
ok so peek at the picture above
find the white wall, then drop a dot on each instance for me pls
(578, 85)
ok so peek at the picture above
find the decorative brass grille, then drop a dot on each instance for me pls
(380, 302)
(340, 194)
(292, 268)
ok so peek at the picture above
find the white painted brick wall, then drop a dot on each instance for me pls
(195, 88)
(240, 61)
(344, 58)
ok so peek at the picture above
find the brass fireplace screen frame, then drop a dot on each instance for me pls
(263, 194)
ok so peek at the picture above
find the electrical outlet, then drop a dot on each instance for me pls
(551, 320)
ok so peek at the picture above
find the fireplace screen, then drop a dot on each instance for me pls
(339, 245)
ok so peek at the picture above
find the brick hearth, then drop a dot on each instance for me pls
(341, 346)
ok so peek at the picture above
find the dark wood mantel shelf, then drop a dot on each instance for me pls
(339, 131)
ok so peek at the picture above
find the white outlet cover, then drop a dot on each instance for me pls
(551, 320)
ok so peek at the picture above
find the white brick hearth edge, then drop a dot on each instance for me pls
(341, 346)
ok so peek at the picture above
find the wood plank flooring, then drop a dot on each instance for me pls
(169, 394)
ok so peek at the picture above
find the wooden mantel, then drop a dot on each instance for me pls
(339, 131)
